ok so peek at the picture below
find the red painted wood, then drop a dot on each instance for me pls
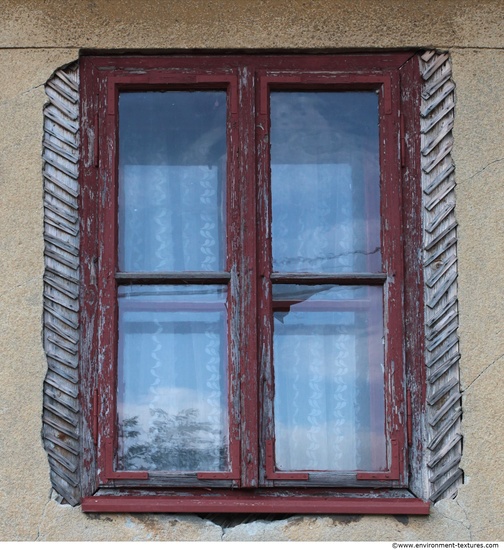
(107, 262)
(393, 473)
(368, 63)
(234, 455)
(264, 259)
(233, 162)
(393, 264)
(414, 342)
(95, 416)
(110, 472)
(272, 473)
(266, 505)
(89, 315)
(409, 419)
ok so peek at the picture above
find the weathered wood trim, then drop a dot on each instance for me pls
(443, 419)
(61, 408)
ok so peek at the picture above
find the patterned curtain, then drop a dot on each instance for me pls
(172, 401)
(323, 334)
(170, 219)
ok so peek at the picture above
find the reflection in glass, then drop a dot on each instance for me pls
(325, 182)
(172, 169)
(172, 379)
(329, 383)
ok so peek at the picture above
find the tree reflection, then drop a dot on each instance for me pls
(175, 442)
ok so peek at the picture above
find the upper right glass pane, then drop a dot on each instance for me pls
(325, 182)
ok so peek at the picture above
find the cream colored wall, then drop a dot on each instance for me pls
(38, 36)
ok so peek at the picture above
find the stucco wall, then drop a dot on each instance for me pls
(38, 36)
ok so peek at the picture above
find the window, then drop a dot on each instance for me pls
(248, 240)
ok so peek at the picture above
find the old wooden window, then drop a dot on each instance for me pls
(249, 240)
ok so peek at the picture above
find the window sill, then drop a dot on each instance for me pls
(256, 504)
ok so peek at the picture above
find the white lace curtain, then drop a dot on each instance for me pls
(173, 357)
(171, 219)
(322, 364)
(173, 363)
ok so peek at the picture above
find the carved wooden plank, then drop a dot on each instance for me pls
(440, 273)
(61, 283)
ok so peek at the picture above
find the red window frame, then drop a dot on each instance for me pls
(252, 482)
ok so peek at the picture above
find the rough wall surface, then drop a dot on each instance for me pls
(37, 37)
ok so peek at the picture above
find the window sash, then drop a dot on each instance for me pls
(390, 227)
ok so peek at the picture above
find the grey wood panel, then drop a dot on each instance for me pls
(61, 408)
(443, 422)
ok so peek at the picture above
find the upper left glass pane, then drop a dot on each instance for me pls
(172, 174)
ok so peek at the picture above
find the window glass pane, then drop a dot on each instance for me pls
(172, 381)
(329, 382)
(325, 182)
(172, 164)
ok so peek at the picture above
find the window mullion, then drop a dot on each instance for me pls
(244, 279)
(265, 277)
(106, 264)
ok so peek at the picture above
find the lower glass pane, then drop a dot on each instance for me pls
(329, 382)
(172, 400)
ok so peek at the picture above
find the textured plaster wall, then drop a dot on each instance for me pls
(38, 36)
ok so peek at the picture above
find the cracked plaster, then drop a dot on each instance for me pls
(465, 389)
(34, 41)
(481, 170)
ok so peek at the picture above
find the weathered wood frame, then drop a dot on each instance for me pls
(68, 428)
